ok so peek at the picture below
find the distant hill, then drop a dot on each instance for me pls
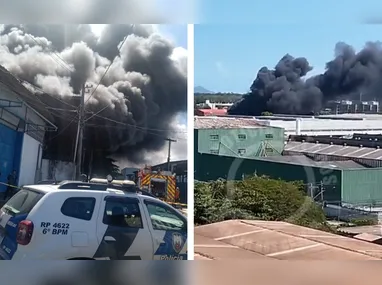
(202, 90)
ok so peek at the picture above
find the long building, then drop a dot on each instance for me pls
(344, 124)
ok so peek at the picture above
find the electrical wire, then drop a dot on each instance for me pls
(64, 64)
(137, 127)
(63, 129)
(39, 89)
(107, 69)
(119, 127)
(59, 115)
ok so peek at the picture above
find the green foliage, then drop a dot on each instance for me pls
(217, 97)
(266, 114)
(358, 222)
(256, 198)
(211, 203)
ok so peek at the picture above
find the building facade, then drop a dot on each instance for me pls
(336, 182)
(237, 137)
(345, 124)
(22, 131)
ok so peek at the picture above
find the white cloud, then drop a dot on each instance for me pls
(97, 29)
(221, 68)
(178, 148)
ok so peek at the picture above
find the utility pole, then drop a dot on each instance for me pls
(79, 139)
(81, 122)
(169, 152)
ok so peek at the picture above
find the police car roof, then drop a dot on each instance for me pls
(75, 186)
(116, 182)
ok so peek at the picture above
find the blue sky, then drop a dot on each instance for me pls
(177, 33)
(227, 57)
(292, 11)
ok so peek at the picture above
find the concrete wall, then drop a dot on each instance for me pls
(30, 160)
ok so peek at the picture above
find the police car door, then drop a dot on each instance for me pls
(169, 229)
(122, 230)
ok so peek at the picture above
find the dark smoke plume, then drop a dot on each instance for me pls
(142, 92)
(285, 90)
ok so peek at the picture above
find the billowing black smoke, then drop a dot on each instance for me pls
(142, 92)
(285, 90)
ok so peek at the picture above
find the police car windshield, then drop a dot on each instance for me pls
(22, 202)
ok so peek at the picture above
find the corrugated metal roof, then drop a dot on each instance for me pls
(212, 112)
(335, 150)
(13, 84)
(225, 123)
(303, 160)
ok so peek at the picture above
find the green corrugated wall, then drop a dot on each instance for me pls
(362, 186)
(354, 186)
(211, 167)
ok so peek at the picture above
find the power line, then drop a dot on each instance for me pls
(107, 69)
(129, 125)
(63, 64)
(75, 109)
(64, 129)
(122, 128)
(52, 96)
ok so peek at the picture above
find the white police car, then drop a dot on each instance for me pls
(85, 221)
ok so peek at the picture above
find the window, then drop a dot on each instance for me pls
(79, 208)
(22, 202)
(214, 151)
(269, 136)
(164, 218)
(214, 137)
(122, 212)
(241, 151)
(242, 136)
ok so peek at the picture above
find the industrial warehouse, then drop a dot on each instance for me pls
(337, 157)
(23, 123)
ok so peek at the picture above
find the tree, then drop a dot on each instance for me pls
(256, 198)
(217, 98)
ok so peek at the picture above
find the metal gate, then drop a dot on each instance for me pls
(10, 153)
